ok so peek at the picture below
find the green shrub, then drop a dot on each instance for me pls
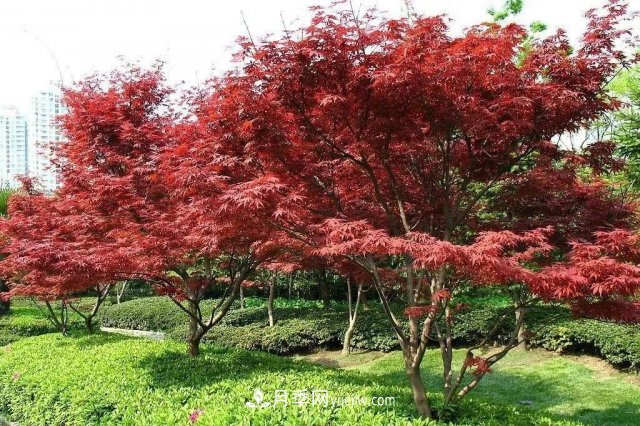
(296, 330)
(25, 320)
(299, 327)
(302, 328)
(257, 302)
(147, 313)
(555, 329)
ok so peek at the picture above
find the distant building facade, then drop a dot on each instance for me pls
(44, 132)
(13, 146)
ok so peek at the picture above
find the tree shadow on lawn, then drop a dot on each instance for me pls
(215, 363)
(626, 413)
(80, 339)
(554, 387)
(235, 373)
(84, 340)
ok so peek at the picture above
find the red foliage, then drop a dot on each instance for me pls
(440, 295)
(598, 276)
(419, 311)
(616, 310)
(132, 205)
(480, 365)
(385, 139)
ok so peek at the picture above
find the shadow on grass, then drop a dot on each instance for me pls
(242, 371)
(530, 384)
(81, 339)
(173, 369)
(170, 368)
(626, 413)
(558, 395)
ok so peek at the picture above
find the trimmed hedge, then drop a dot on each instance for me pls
(301, 329)
(147, 313)
(25, 320)
(555, 329)
(298, 329)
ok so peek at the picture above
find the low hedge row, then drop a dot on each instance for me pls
(25, 320)
(147, 313)
(300, 329)
(556, 330)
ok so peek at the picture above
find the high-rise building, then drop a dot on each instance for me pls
(13, 146)
(44, 132)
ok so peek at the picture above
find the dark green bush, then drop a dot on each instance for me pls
(5, 304)
(296, 330)
(25, 320)
(555, 329)
(299, 327)
(305, 327)
(148, 313)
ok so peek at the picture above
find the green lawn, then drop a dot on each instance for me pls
(115, 380)
(584, 390)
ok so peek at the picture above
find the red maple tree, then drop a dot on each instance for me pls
(389, 146)
(54, 253)
(145, 195)
(399, 147)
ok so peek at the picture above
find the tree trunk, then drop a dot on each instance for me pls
(353, 316)
(241, 298)
(103, 292)
(120, 292)
(346, 346)
(365, 303)
(418, 390)
(88, 321)
(194, 343)
(290, 285)
(195, 332)
(324, 289)
(60, 323)
(199, 327)
(5, 304)
(272, 295)
(412, 353)
(522, 332)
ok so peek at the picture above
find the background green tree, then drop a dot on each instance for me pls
(626, 122)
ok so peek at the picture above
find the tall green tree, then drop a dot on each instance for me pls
(626, 127)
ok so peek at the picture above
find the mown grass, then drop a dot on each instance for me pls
(584, 390)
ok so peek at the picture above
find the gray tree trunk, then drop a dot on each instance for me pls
(272, 295)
